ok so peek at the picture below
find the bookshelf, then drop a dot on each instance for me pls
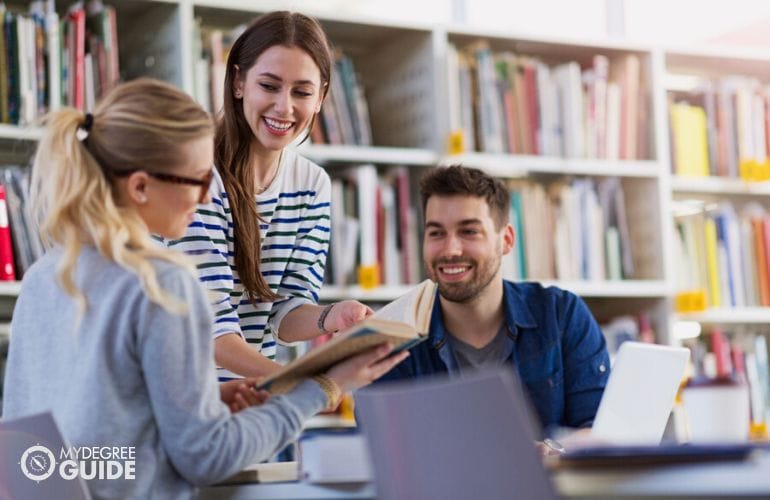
(506, 165)
(404, 68)
(718, 186)
(718, 81)
(329, 154)
(733, 316)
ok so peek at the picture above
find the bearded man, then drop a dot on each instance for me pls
(547, 335)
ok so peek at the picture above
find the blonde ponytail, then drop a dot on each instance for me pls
(143, 124)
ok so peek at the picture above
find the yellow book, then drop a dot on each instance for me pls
(690, 140)
(712, 263)
(403, 322)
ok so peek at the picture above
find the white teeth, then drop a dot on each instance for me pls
(454, 270)
(282, 126)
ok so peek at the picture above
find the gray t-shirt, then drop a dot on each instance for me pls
(492, 354)
(133, 374)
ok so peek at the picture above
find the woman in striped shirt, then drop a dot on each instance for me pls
(261, 244)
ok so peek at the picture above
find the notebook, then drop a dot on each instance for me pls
(458, 438)
(639, 394)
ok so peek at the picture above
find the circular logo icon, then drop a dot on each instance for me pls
(37, 463)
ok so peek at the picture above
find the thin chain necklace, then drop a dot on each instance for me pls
(263, 188)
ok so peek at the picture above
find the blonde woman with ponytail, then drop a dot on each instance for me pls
(112, 332)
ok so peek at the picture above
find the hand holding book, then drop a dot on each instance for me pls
(363, 369)
(401, 323)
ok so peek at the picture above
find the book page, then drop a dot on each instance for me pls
(404, 309)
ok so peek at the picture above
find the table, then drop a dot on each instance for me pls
(743, 480)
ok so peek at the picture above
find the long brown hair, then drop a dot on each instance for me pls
(141, 125)
(234, 139)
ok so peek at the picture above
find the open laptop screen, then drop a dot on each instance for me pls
(457, 438)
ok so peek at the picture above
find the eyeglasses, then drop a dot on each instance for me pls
(204, 183)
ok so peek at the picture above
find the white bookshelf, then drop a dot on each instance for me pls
(10, 288)
(16, 133)
(546, 45)
(506, 165)
(323, 153)
(379, 294)
(615, 289)
(718, 186)
(403, 69)
(718, 61)
(734, 316)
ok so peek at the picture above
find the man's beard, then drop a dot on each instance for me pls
(466, 291)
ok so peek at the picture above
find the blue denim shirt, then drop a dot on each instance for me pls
(555, 346)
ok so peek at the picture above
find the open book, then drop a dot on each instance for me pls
(403, 322)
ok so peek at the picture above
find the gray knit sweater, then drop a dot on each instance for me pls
(132, 374)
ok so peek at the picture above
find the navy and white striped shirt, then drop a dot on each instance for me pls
(295, 240)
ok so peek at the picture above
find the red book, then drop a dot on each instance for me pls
(380, 214)
(721, 349)
(404, 203)
(739, 362)
(77, 30)
(765, 265)
(509, 104)
(533, 114)
(6, 250)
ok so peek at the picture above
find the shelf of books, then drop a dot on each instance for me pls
(719, 119)
(578, 129)
(72, 56)
(718, 114)
(548, 98)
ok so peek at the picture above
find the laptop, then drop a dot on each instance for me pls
(640, 394)
(30, 450)
(458, 438)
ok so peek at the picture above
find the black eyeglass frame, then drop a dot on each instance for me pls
(204, 183)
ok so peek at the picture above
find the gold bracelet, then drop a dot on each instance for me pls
(332, 391)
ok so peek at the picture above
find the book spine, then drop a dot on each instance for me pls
(6, 251)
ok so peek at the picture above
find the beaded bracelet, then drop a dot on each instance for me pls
(322, 319)
(332, 391)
